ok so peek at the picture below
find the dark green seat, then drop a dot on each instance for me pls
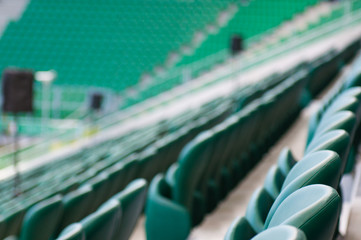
(258, 208)
(335, 140)
(131, 200)
(286, 161)
(282, 232)
(314, 209)
(340, 104)
(344, 120)
(164, 217)
(273, 182)
(13, 222)
(100, 188)
(116, 176)
(2, 227)
(170, 176)
(101, 224)
(312, 125)
(76, 206)
(192, 163)
(321, 167)
(240, 230)
(41, 220)
(72, 232)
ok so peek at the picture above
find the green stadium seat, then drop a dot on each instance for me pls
(100, 225)
(282, 232)
(100, 187)
(240, 230)
(72, 232)
(321, 167)
(335, 140)
(344, 120)
(258, 208)
(41, 220)
(273, 182)
(286, 161)
(313, 209)
(160, 208)
(2, 227)
(131, 200)
(76, 206)
(13, 221)
(349, 103)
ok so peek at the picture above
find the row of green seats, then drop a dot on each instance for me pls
(100, 168)
(47, 218)
(310, 212)
(212, 163)
(189, 197)
(325, 159)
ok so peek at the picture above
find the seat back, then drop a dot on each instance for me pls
(283, 232)
(321, 167)
(341, 104)
(286, 161)
(344, 120)
(41, 220)
(335, 140)
(72, 232)
(240, 230)
(132, 200)
(100, 186)
(101, 224)
(2, 227)
(314, 209)
(76, 206)
(192, 162)
(273, 182)
(258, 208)
(162, 213)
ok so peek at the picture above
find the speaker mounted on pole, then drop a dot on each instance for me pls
(17, 90)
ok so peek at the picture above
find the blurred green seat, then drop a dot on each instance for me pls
(100, 187)
(334, 140)
(344, 120)
(76, 206)
(313, 209)
(273, 182)
(282, 232)
(72, 232)
(159, 207)
(41, 220)
(240, 229)
(258, 208)
(321, 167)
(285, 161)
(101, 224)
(131, 200)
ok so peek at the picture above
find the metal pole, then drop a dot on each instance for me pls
(17, 180)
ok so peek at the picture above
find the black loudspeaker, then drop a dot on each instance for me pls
(17, 90)
(96, 101)
(236, 44)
